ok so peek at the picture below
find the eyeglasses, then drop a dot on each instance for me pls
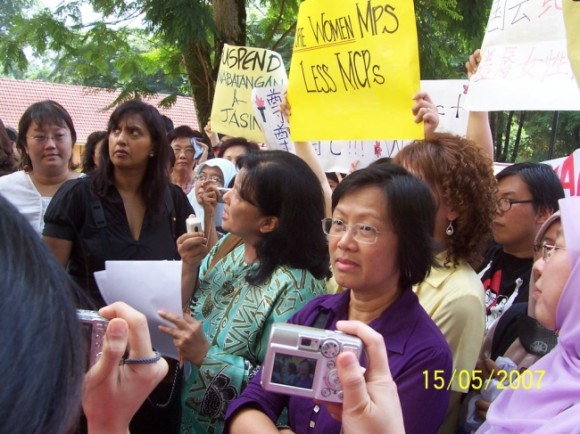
(548, 251)
(362, 233)
(214, 179)
(188, 151)
(41, 139)
(505, 204)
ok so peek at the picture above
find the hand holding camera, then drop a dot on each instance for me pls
(301, 361)
(371, 402)
(113, 391)
(192, 246)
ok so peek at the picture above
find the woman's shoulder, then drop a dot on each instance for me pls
(463, 281)
(298, 277)
(78, 188)
(18, 180)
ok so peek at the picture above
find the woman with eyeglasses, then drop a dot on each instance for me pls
(210, 176)
(275, 208)
(126, 210)
(189, 150)
(380, 244)
(46, 136)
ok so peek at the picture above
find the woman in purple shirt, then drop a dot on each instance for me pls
(380, 244)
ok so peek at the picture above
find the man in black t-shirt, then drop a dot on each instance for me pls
(527, 195)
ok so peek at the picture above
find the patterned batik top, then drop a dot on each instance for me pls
(236, 319)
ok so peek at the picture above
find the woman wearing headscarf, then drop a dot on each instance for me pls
(209, 177)
(552, 404)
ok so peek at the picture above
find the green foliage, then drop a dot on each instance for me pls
(538, 142)
(448, 32)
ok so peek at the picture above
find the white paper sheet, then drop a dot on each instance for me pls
(148, 286)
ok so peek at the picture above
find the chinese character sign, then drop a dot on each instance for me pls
(572, 19)
(524, 63)
(266, 102)
(242, 69)
(355, 69)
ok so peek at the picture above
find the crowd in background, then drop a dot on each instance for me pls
(452, 269)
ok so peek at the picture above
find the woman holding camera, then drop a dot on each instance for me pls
(380, 244)
(275, 208)
(127, 210)
(210, 176)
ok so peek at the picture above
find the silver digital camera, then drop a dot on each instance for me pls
(301, 361)
(221, 192)
(93, 332)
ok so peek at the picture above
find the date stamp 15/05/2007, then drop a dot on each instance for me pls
(474, 379)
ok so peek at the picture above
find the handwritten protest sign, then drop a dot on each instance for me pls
(355, 68)
(524, 62)
(242, 69)
(266, 102)
(448, 95)
(572, 20)
(450, 98)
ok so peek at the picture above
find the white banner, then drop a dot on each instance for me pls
(448, 95)
(524, 63)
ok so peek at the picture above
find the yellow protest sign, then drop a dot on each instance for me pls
(354, 71)
(242, 69)
(572, 20)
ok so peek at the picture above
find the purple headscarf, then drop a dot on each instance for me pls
(555, 406)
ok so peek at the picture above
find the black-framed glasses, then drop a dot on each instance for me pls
(505, 204)
(548, 251)
(215, 179)
(362, 233)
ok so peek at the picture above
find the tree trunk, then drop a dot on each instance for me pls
(516, 148)
(230, 20)
(553, 135)
(508, 128)
(201, 75)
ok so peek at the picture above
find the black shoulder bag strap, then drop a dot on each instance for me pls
(100, 222)
(170, 210)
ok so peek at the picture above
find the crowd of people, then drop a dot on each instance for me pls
(444, 271)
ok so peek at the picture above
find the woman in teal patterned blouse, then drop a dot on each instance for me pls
(275, 207)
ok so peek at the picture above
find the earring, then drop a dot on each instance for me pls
(151, 155)
(450, 229)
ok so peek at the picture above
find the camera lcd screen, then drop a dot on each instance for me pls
(293, 371)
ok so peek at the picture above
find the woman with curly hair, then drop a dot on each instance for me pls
(461, 178)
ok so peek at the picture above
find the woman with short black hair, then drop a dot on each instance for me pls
(380, 243)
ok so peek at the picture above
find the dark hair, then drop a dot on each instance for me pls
(156, 177)
(42, 113)
(183, 131)
(543, 183)
(410, 209)
(238, 141)
(282, 185)
(42, 362)
(12, 134)
(461, 175)
(7, 160)
(90, 147)
(167, 123)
